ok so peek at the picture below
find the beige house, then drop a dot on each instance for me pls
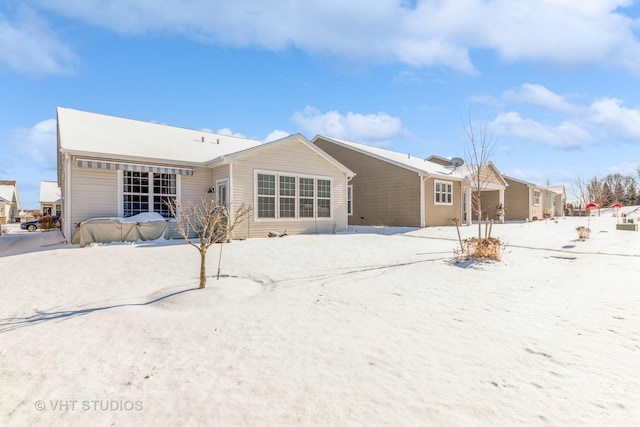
(50, 201)
(527, 201)
(9, 202)
(116, 167)
(396, 189)
(492, 190)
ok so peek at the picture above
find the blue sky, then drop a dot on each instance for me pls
(556, 82)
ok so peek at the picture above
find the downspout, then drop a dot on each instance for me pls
(530, 204)
(346, 211)
(423, 221)
(66, 202)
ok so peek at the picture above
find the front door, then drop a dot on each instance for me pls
(222, 192)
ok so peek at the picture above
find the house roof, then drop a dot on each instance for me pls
(407, 161)
(92, 134)
(7, 191)
(558, 189)
(49, 192)
(295, 137)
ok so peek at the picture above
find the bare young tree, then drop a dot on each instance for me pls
(581, 193)
(477, 156)
(210, 222)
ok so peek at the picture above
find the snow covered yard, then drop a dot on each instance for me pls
(375, 326)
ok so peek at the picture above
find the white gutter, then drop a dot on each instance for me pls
(422, 202)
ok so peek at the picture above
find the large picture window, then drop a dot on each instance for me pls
(443, 193)
(148, 192)
(292, 196)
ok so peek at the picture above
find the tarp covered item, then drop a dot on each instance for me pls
(145, 226)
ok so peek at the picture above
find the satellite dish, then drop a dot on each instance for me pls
(457, 161)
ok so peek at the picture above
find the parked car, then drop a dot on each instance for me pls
(45, 223)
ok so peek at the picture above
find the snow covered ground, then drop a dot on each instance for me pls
(373, 327)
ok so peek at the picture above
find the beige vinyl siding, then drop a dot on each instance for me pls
(516, 200)
(537, 209)
(383, 194)
(438, 215)
(94, 194)
(194, 188)
(290, 158)
(489, 176)
(490, 200)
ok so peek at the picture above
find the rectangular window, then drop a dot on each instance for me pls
(349, 199)
(443, 193)
(292, 196)
(324, 198)
(536, 197)
(287, 196)
(306, 198)
(148, 192)
(266, 196)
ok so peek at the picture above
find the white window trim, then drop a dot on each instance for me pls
(435, 183)
(297, 196)
(120, 183)
(539, 197)
(350, 199)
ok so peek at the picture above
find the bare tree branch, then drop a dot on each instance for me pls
(210, 222)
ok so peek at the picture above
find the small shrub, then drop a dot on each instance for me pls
(481, 248)
(583, 232)
(47, 223)
(3, 230)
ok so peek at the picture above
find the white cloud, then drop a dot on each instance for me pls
(28, 46)
(351, 126)
(276, 134)
(37, 143)
(540, 95)
(229, 132)
(564, 135)
(615, 120)
(427, 34)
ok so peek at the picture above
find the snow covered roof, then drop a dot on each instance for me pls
(7, 189)
(297, 137)
(49, 192)
(558, 189)
(416, 164)
(92, 134)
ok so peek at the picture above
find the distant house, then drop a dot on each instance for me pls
(396, 189)
(50, 200)
(117, 167)
(528, 201)
(9, 202)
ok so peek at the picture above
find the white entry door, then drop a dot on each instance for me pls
(222, 192)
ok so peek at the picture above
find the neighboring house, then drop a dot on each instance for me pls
(492, 189)
(116, 167)
(9, 202)
(528, 201)
(50, 201)
(396, 189)
(557, 200)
